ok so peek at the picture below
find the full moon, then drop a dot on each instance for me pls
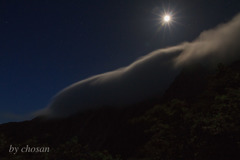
(167, 18)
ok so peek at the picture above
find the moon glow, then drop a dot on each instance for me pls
(167, 18)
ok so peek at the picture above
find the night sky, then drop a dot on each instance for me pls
(46, 45)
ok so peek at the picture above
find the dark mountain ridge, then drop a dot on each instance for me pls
(147, 129)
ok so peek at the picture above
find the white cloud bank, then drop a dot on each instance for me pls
(148, 75)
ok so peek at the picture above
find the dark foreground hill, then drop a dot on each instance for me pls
(197, 118)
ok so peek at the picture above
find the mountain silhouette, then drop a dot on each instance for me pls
(196, 118)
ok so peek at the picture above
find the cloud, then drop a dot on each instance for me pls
(145, 77)
(148, 75)
(220, 44)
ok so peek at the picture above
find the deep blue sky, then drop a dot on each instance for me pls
(46, 45)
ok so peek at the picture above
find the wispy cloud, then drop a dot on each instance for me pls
(150, 74)
(221, 44)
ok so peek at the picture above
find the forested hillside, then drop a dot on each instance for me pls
(198, 118)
